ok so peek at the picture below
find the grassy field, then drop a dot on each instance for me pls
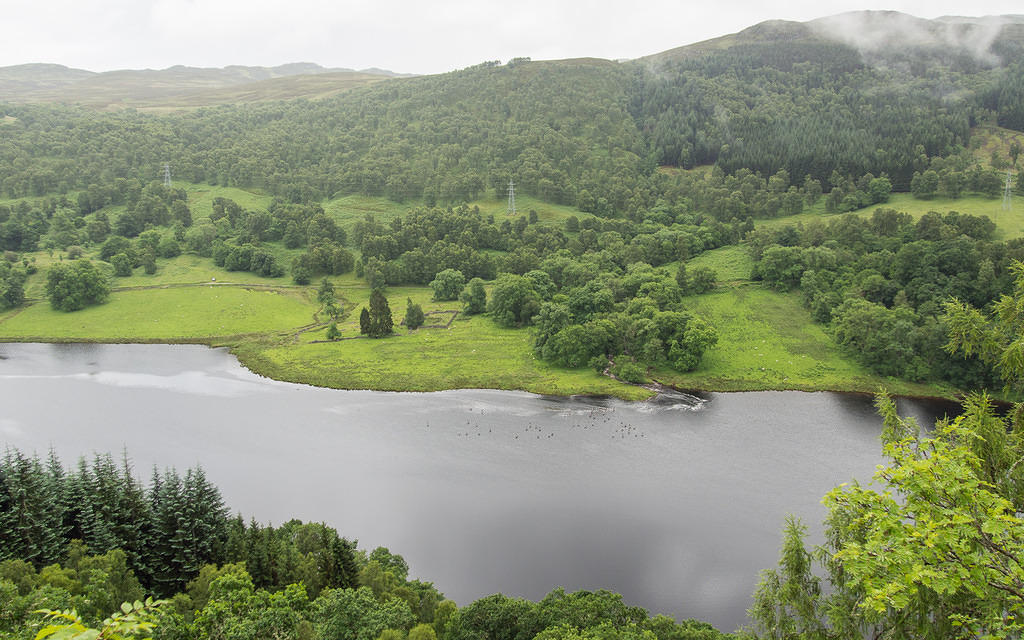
(347, 210)
(200, 198)
(767, 340)
(165, 315)
(473, 353)
(187, 268)
(732, 264)
(1009, 223)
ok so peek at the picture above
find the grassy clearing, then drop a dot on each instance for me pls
(546, 212)
(988, 138)
(187, 268)
(165, 315)
(200, 198)
(1009, 224)
(767, 340)
(732, 264)
(473, 353)
(191, 269)
(347, 210)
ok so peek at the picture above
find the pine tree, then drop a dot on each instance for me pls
(345, 573)
(165, 557)
(104, 490)
(31, 521)
(380, 323)
(364, 322)
(259, 561)
(414, 316)
(133, 519)
(57, 480)
(206, 518)
(236, 542)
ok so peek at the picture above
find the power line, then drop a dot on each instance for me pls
(1007, 193)
(511, 210)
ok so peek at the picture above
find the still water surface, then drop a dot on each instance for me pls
(676, 504)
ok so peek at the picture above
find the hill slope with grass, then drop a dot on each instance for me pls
(647, 195)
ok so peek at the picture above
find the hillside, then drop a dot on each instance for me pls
(178, 86)
(881, 37)
(780, 121)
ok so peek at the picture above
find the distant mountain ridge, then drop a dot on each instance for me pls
(40, 82)
(878, 35)
(884, 39)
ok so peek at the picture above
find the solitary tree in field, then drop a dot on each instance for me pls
(378, 319)
(414, 316)
(325, 295)
(72, 286)
(332, 331)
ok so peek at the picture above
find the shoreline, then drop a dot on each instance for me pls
(236, 345)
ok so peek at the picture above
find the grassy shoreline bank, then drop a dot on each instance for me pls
(767, 342)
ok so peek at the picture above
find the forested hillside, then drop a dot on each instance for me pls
(585, 132)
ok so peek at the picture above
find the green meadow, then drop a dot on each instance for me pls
(187, 314)
(201, 196)
(766, 339)
(731, 264)
(1009, 222)
(347, 210)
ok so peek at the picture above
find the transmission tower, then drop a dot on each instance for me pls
(167, 175)
(1007, 192)
(511, 198)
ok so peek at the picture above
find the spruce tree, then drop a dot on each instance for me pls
(364, 322)
(105, 489)
(31, 521)
(132, 524)
(58, 482)
(381, 323)
(414, 316)
(165, 557)
(206, 518)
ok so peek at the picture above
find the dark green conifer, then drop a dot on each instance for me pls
(414, 316)
(381, 323)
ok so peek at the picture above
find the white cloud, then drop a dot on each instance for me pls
(421, 37)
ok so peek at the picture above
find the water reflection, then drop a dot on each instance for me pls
(676, 503)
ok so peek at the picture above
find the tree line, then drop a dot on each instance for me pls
(584, 133)
(880, 284)
(89, 538)
(932, 549)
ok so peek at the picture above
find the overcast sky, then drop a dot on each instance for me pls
(426, 36)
